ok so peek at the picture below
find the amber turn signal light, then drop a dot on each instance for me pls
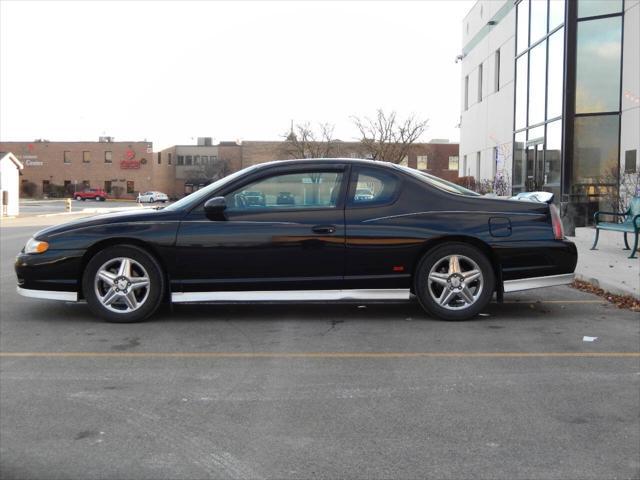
(36, 246)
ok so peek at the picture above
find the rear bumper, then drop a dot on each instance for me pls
(537, 282)
(528, 260)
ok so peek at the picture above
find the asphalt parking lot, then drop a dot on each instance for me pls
(317, 390)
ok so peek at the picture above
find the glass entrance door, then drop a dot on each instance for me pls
(536, 174)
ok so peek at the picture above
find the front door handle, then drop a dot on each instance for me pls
(324, 229)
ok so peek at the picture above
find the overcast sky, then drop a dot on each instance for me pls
(172, 71)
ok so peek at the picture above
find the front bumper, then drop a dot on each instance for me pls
(57, 271)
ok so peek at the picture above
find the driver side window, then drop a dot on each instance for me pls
(287, 191)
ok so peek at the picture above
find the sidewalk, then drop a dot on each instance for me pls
(81, 211)
(607, 267)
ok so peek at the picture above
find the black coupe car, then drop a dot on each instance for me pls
(412, 234)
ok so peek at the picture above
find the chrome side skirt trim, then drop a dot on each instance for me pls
(48, 294)
(307, 295)
(537, 282)
(292, 295)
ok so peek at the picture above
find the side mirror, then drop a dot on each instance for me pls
(214, 208)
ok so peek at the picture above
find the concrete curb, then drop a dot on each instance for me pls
(607, 286)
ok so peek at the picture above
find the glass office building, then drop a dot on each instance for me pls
(570, 101)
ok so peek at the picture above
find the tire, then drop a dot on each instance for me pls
(99, 199)
(106, 284)
(78, 198)
(441, 286)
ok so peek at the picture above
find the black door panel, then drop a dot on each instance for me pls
(379, 252)
(261, 252)
(270, 240)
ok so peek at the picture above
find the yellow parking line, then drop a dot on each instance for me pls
(381, 355)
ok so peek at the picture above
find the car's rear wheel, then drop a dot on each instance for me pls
(99, 199)
(78, 197)
(454, 281)
(123, 284)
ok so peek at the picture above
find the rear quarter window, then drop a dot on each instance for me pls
(372, 187)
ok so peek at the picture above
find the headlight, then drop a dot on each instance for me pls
(36, 246)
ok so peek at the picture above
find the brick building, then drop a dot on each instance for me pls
(121, 168)
(125, 168)
(194, 165)
(437, 157)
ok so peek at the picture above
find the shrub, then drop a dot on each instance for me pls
(28, 189)
(116, 191)
(56, 191)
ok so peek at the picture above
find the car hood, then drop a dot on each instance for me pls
(136, 214)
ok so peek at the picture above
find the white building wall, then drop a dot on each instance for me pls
(630, 118)
(9, 182)
(488, 123)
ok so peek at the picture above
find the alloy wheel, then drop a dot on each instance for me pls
(455, 282)
(122, 285)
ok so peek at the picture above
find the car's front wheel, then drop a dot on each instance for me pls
(454, 281)
(123, 284)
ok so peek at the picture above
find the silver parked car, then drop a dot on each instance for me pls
(152, 197)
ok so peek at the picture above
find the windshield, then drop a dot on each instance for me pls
(438, 182)
(198, 196)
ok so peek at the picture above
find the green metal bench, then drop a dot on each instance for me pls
(630, 224)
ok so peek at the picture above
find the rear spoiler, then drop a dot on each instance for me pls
(540, 197)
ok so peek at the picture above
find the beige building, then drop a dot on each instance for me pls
(192, 166)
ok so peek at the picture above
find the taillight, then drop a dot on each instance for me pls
(556, 222)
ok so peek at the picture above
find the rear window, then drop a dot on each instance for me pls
(438, 183)
(373, 187)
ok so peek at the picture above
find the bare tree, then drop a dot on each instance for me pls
(303, 141)
(502, 181)
(617, 188)
(216, 170)
(208, 171)
(387, 138)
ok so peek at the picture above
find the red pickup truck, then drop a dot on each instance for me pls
(91, 193)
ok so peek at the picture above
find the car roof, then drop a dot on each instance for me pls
(302, 161)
